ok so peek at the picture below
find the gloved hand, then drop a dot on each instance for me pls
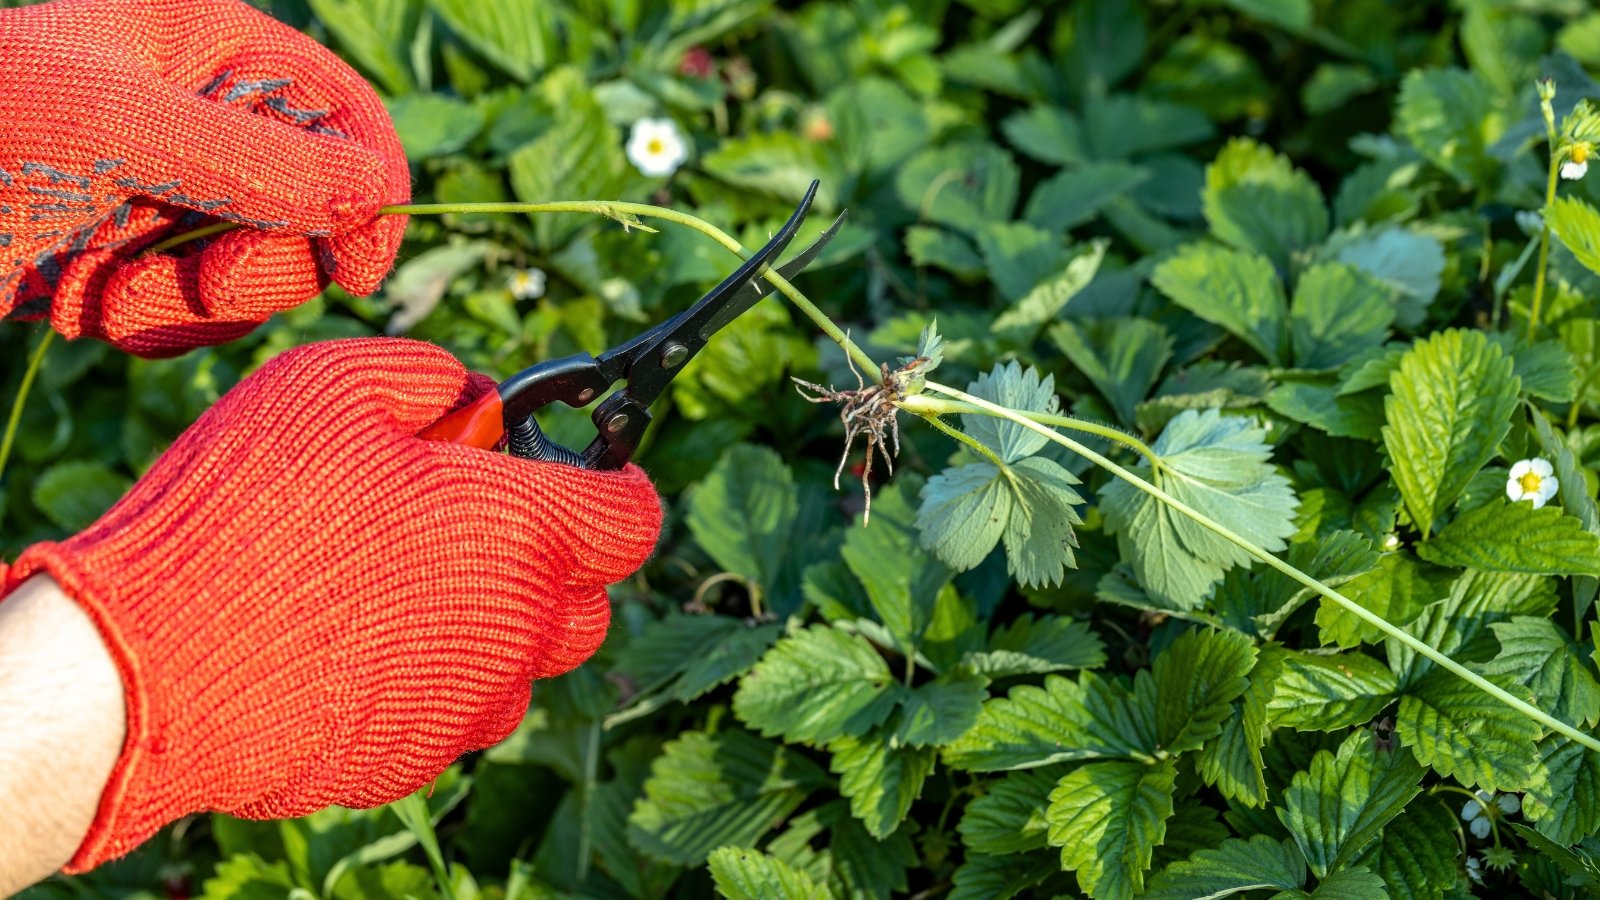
(309, 605)
(127, 121)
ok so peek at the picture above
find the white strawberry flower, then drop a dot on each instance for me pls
(1477, 815)
(1577, 162)
(527, 284)
(656, 147)
(1533, 480)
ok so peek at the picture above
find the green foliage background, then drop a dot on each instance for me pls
(1276, 239)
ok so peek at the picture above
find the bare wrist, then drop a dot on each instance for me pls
(62, 701)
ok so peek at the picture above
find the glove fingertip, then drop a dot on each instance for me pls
(359, 260)
(249, 275)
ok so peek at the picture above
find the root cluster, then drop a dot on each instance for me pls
(868, 412)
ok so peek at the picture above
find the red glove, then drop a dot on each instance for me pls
(310, 606)
(127, 121)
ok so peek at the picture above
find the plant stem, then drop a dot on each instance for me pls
(34, 362)
(948, 407)
(622, 212)
(918, 404)
(1547, 93)
(976, 445)
(1544, 244)
(414, 813)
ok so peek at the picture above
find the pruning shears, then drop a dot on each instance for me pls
(646, 363)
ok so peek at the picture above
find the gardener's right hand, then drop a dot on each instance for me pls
(309, 605)
(127, 121)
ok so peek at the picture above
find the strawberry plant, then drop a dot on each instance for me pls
(1237, 366)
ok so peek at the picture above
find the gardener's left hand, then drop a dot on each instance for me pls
(128, 121)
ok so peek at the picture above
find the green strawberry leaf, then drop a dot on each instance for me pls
(1339, 806)
(817, 685)
(1218, 465)
(1501, 536)
(1107, 818)
(1449, 406)
(1257, 200)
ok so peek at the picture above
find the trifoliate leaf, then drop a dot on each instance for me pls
(1174, 707)
(1075, 196)
(685, 656)
(744, 513)
(713, 665)
(1257, 200)
(1417, 857)
(1410, 264)
(1196, 681)
(863, 865)
(724, 790)
(1232, 760)
(1537, 653)
(1314, 400)
(1001, 877)
(960, 185)
(1018, 256)
(1323, 692)
(1501, 536)
(1547, 369)
(1039, 538)
(1107, 818)
(817, 685)
(1565, 800)
(1398, 589)
(1011, 386)
(944, 250)
(1576, 225)
(901, 581)
(1218, 465)
(1029, 647)
(1060, 721)
(1122, 357)
(1234, 289)
(752, 875)
(1046, 297)
(1049, 134)
(936, 713)
(1449, 406)
(1125, 125)
(1449, 116)
(579, 152)
(966, 510)
(1260, 602)
(1010, 815)
(1466, 734)
(1458, 626)
(1233, 867)
(881, 781)
(1340, 804)
(1338, 312)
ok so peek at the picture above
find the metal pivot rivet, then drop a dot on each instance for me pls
(585, 395)
(673, 355)
(617, 422)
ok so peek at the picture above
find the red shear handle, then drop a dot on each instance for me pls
(479, 424)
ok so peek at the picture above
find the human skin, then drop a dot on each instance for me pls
(61, 705)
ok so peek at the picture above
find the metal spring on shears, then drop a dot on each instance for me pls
(528, 441)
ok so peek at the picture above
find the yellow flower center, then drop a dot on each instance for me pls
(1530, 483)
(656, 147)
(1580, 153)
